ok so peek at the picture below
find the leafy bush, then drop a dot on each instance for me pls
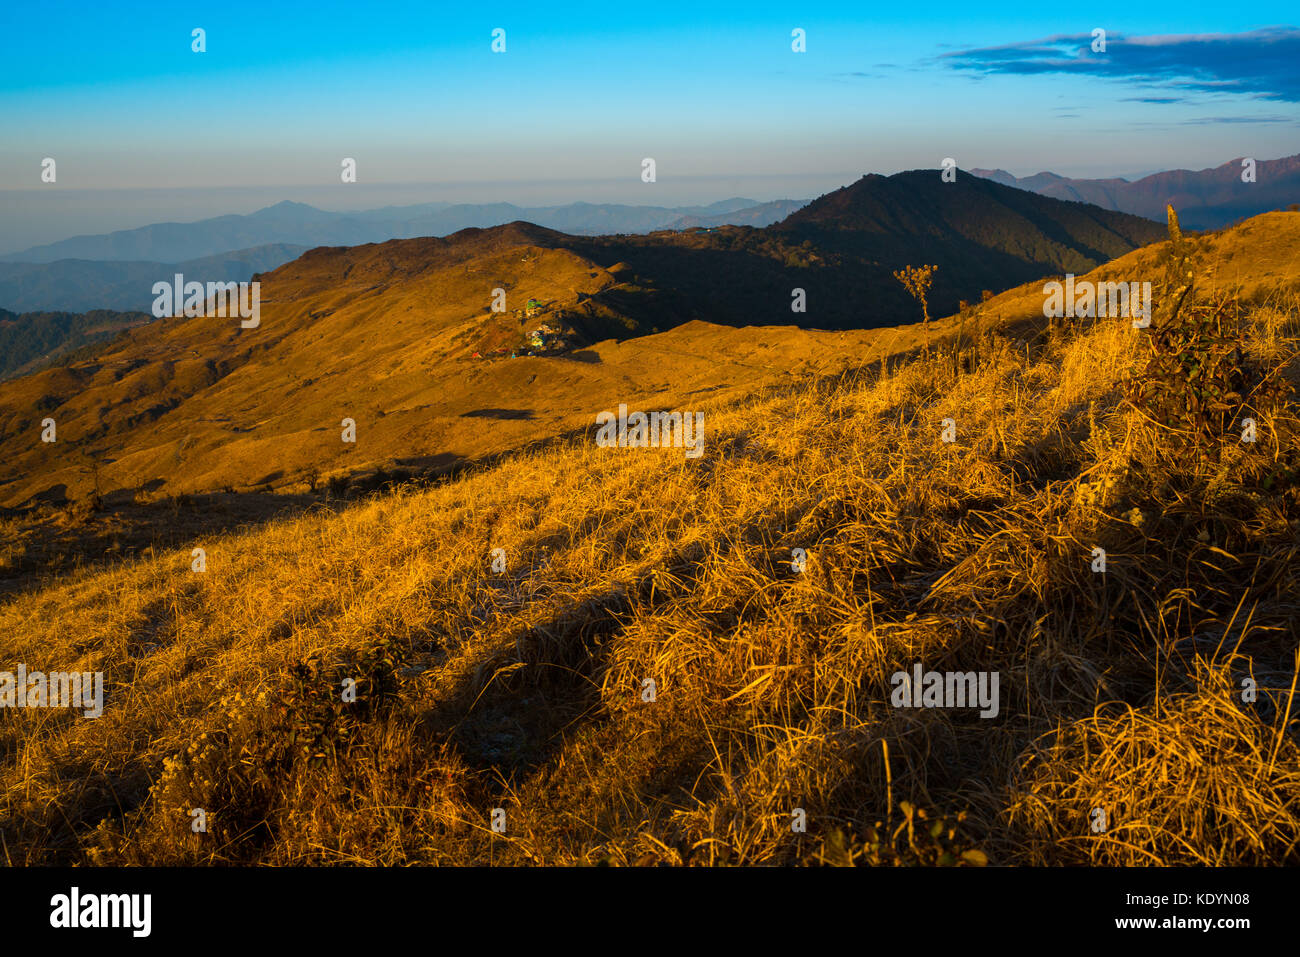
(316, 721)
(236, 771)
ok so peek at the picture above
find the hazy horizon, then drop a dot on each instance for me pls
(39, 216)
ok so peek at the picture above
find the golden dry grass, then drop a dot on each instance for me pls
(523, 690)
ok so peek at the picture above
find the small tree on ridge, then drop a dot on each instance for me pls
(916, 280)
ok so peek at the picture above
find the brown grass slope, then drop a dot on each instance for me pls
(1258, 260)
(383, 335)
(525, 689)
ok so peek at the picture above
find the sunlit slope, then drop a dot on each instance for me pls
(1254, 259)
(523, 685)
(382, 335)
(201, 403)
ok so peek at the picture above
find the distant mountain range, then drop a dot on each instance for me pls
(117, 270)
(80, 284)
(1205, 199)
(297, 224)
(762, 215)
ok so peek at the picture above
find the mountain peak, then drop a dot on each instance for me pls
(290, 206)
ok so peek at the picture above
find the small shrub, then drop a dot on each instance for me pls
(916, 280)
(242, 768)
(314, 720)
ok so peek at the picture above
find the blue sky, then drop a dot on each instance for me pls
(712, 91)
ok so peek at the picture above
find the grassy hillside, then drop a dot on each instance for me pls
(525, 689)
(384, 335)
(392, 336)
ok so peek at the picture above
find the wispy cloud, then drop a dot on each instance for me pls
(1259, 63)
(1205, 120)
